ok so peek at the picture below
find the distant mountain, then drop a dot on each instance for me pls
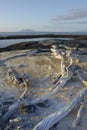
(27, 30)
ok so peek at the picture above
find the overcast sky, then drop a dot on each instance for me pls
(43, 15)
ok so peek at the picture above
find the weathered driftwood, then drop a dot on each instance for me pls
(60, 55)
(71, 53)
(15, 106)
(63, 55)
(80, 77)
(14, 77)
(77, 121)
(52, 119)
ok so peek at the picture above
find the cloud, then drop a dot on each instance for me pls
(73, 14)
(70, 22)
(82, 22)
(52, 27)
(60, 25)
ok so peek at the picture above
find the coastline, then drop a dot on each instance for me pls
(45, 44)
(2, 37)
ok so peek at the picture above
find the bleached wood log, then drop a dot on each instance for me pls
(80, 77)
(52, 119)
(77, 121)
(15, 106)
(79, 114)
(14, 77)
(72, 53)
(60, 55)
(69, 48)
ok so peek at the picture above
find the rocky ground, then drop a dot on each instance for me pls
(41, 69)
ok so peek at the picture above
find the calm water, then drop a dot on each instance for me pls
(5, 43)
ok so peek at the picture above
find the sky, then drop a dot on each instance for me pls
(43, 15)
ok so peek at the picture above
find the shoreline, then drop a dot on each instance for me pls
(43, 36)
(45, 44)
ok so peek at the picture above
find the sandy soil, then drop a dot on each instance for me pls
(42, 71)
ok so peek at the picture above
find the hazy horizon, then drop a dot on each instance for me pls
(43, 16)
(21, 31)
